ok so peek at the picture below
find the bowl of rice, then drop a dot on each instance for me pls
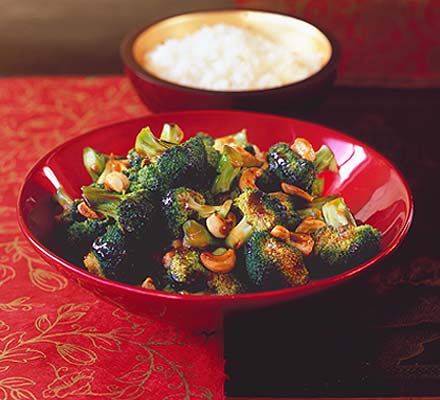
(242, 59)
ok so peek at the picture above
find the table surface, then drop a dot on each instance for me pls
(376, 336)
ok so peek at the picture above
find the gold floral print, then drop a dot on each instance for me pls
(12, 388)
(56, 339)
(63, 331)
(16, 251)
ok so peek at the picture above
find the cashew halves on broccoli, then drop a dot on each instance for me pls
(220, 264)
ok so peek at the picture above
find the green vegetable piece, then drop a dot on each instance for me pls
(171, 133)
(289, 167)
(342, 243)
(196, 235)
(273, 264)
(325, 160)
(148, 146)
(228, 169)
(94, 161)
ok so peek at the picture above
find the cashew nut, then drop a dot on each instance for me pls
(148, 284)
(220, 264)
(117, 182)
(296, 191)
(113, 165)
(249, 178)
(309, 224)
(86, 211)
(302, 241)
(219, 226)
(167, 257)
(304, 148)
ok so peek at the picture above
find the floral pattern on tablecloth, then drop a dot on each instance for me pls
(57, 340)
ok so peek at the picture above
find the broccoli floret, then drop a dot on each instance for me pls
(289, 167)
(182, 204)
(134, 159)
(149, 147)
(108, 255)
(145, 178)
(292, 218)
(261, 211)
(69, 213)
(94, 162)
(224, 284)
(184, 165)
(186, 272)
(229, 167)
(272, 264)
(134, 212)
(212, 155)
(342, 243)
(80, 235)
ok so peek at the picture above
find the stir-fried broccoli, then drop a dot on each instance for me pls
(70, 213)
(292, 218)
(229, 217)
(182, 204)
(145, 178)
(185, 165)
(171, 133)
(272, 264)
(196, 235)
(150, 147)
(260, 210)
(135, 160)
(134, 212)
(289, 167)
(342, 243)
(80, 235)
(224, 284)
(229, 167)
(186, 272)
(94, 162)
(212, 155)
(108, 255)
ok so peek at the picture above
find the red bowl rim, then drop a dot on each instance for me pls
(325, 72)
(280, 294)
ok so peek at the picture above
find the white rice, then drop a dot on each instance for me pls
(224, 57)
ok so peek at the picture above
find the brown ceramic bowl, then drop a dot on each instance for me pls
(162, 95)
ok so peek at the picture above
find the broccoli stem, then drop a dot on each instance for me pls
(229, 167)
(148, 146)
(337, 214)
(196, 235)
(325, 160)
(63, 199)
(239, 235)
(205, 211)
(94, 161)
(101, 200)
(171, 133)
(239, 138)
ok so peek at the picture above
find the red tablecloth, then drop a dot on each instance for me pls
(57, 340)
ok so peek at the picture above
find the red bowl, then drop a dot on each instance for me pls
(372, 187)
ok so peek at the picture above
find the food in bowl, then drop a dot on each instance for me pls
(227, 217)
(230, 58)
